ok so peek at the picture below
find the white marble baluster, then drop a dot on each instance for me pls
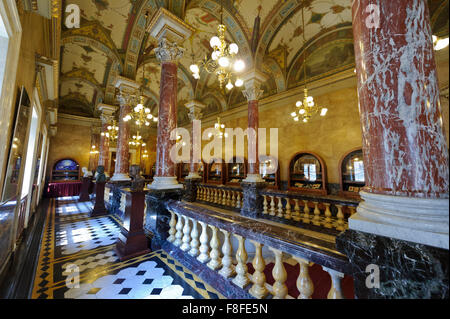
(304, 283)
(316, 218)
(272, 206)
(336, 289)
(306, 216)
(279, 274)
(340, 218)
(327, 215)
(204, 248)
(265, 211)
(296, 215)
(194, 241)
(179, 233)
(229, 201)
(258, 290)
(288, 214)
(280, 208)
(172, 229)
(352, 210)
(214, 262)
(224, 197)
(227, 260)
(238, 200)
(233, 199)
(241, 279)
(186, 235)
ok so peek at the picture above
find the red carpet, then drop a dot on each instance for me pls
(320, 278)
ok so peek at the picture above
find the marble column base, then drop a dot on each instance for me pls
(132, 241)
(420, 220)
(120, 177)
(406, 269)
(163, 182)
(84, 193)
(252, 200)
(253, 178)
(157, 216)
(190, 193)
(99, 206)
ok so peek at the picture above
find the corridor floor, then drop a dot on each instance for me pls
(77, 260)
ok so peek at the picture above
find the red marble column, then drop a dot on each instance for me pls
(405, 152)
(168, 53)
(95, 152)
(253, 122)
(195, 113)
(122, 155)
(167, 119)
(253, 81)
(103, 158)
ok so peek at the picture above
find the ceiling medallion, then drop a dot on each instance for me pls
(223, 60)
(306, 108)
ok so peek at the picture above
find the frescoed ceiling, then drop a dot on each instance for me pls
(112, 41)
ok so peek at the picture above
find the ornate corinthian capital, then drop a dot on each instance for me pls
(253, 80)
(168, 51)
(253, 93)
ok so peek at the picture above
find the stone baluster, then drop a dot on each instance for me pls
(208, 195)
(279, 274)
(186, 235)
(233, 199)
(172, 229)
(204, 248)
(327, 215)
(316, 218)
(215, 262)
(227, 260)
(179, 233)
(340, 217)
(304, 283)
(265, 206)
(216, 196)
(335, 290)
(224, 197)
(238, 200)
(296, 215)
(288, 215)
(272, 206)
(194, 241)
(306, 217)
(229, 201)
(241, 280)
(280, 207)
(258, 290)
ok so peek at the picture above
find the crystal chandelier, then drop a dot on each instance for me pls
(306, 109)
(140, 114)
(220, 129)
(137, 140)
(112, 131)
(222, 61)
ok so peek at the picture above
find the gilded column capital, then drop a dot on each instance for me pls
(195, 109)
(168, 51)
(253, 81)
(107, 112)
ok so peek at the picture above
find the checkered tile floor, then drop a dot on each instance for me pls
(77, 260)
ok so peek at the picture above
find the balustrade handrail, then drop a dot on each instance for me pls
(221, 186)
(276, 236)
(332, 199)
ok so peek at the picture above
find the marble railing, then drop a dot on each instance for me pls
(330, 212)
(226, 196)
(205, 236)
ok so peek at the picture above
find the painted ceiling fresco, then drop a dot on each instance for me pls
(112, 41)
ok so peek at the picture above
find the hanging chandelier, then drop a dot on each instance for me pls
(222, 61)
(112, 131)
(220, 129)
(306, 108)
(137, 140)
(140, 114)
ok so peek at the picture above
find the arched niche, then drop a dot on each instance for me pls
(308, 174)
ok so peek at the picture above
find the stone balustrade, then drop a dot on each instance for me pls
(329, 212)
(220, 195)
(205, 236)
